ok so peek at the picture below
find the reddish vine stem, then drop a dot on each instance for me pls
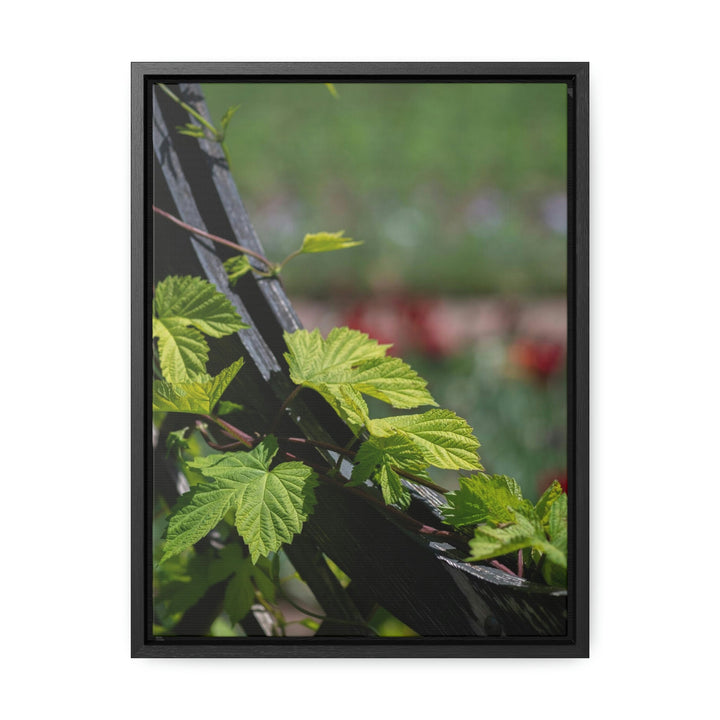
(216, 446)
(214, 238)
(502, 567)
(320, 444)
(231, 430)
(352, 453)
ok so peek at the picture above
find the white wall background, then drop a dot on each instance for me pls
(64, 121)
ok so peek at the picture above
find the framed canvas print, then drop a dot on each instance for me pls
(360, 359)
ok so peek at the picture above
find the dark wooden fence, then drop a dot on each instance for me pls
(421, 581)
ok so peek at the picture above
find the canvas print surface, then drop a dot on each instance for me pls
(359, 361)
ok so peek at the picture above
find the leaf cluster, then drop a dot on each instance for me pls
(507, 523)
(348, 365)
(268, 501)
(185, 309)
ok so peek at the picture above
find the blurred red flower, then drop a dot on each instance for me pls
(411, 324)
(539, 359)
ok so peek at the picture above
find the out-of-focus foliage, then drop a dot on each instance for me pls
(468, 179)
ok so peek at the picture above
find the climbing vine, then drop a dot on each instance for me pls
(257, 485)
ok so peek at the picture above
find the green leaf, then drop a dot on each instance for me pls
(183, 350)
(196, 514)
(554, 573)
(239, 594)
(184, 585)
(491, 541)
(483, 498)
(226, 407)
(379, 459)
(378, 463)
(393, 381)
(194, 301)
(326, 242)
(229, 559)
(312, 359)
(185, 307)
(391, 486)
(557, 523)
(177, 442)
(263, 583)
(227, 117)
(348, 403)
(547, 500)
(444, 439)
(194, 396)
(190, 129)
(270, 505)
(178, 596)
(349, 363)
(236, 267)
(527, 532)
(555, 566)
(343, 579)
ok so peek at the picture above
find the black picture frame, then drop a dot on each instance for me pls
(576, 76)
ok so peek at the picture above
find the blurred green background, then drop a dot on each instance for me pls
(458, 192)
(467, 180)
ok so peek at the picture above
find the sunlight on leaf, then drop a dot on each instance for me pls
(270, 505)
(194, 396)
(326, 242)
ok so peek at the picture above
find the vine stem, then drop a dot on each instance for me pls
(324, 618)
(288, 258)
(320, 444)
(421, 481)
(202, 429)
(189, 109)
(502, 567)
(217, 135)
(283, 407)
(351, 453)
(276, 613)
(216, 239)
(243, 437)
